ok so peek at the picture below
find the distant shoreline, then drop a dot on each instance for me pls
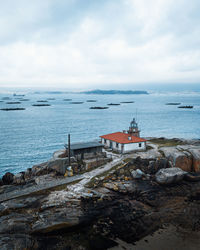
(99, 92)
(116, 92)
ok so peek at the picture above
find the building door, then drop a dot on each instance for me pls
(122, 148)
(111, 144)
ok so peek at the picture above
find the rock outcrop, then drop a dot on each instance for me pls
(186, 157)
(126, 210)
(195, 152)
(41, 209)
(170, 175)
(7, 178)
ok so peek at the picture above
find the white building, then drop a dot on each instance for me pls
(125, 141)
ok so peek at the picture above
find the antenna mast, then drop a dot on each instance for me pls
(69, 150)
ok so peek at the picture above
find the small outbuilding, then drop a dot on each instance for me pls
(82, 150)
(125, 141)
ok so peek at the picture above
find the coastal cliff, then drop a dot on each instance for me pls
(125, 199)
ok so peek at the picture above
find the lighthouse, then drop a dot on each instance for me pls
(133, 129)
(126, 141)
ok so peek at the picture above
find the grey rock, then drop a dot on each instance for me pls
(19, 203)
(121, 187)
(137, 174)
(156, 165)
(14, 223)
(17, 241)
(63, 218)
(59, 166)
(170, 175)
(179, 158)
(28, 174)
(195, 152)
(19, 179)
(43, 179)
(40, 169)
(62, 153)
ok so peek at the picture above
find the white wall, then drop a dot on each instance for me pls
(127, 147)
(134, 146)
(106, 142)
(114, 145)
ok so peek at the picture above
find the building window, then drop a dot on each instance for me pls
(140, 145)
(117, 145)
(105, 141)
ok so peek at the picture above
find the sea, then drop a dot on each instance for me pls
(29, 137)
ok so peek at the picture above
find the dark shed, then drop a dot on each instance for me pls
(83, 148)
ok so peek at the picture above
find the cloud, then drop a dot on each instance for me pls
(82, 44)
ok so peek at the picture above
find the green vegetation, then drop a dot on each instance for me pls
(163, 142)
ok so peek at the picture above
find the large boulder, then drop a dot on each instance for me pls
(28, 174)
(158, 164)
(60, 154)
(40, 169)
(179, 158)
(170, 175)
(19, 179)
(7, 178)
(195, 152)
(59, 166)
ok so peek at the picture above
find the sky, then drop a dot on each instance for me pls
(81, 44)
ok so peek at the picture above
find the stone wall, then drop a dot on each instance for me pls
(93, 163)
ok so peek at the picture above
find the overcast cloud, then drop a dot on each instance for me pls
(86, 43)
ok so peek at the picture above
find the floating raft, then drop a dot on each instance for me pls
(98, 107)
(173, 103)
(91, 100)
(127, 102)
(76, 102)
(113, 104)
(12, 109)
(41, 105)
(185, 107)
(13, 102)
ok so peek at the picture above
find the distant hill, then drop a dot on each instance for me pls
(116, 92)
(98, 92)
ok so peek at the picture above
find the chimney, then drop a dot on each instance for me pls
(124, 131)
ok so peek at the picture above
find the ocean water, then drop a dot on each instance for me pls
(30, 136)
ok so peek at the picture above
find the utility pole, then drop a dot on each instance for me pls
(69, 150)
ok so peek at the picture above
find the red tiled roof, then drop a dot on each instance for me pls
(122, 138)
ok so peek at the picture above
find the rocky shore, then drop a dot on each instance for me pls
(94, 206)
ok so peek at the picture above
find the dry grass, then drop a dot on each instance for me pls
(163, 142)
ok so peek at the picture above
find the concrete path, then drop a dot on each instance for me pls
(80, 186)
(83, 178)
